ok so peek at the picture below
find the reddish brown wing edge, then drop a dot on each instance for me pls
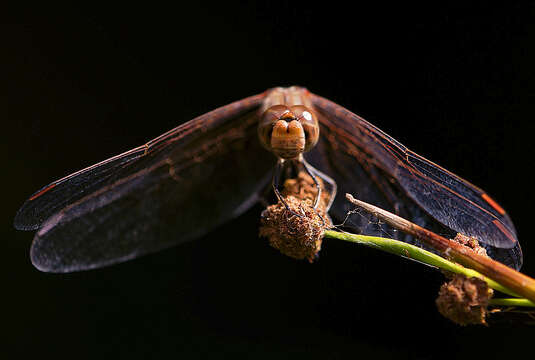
(52, 198)
(389, 154)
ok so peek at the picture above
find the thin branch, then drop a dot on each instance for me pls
(511, 302)
(508, 277)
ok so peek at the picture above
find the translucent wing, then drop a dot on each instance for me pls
(173, 189)
(445, 197)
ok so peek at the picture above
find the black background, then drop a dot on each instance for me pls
(455, 84)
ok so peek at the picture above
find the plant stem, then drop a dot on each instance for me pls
(511, 302)
(510, 278)
(415, 253)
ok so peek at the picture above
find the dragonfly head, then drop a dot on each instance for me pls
(288, 131)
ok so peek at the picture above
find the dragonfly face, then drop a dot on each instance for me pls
(214, 167)
(288, 131)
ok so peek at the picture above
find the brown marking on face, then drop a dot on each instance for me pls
(288, 139)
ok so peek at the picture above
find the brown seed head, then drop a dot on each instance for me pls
(299, 237)
(464, 300)
(470, 242)
(296, 236)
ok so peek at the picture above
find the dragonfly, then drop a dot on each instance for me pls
(205, 172)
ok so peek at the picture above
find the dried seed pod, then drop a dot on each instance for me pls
(464, 300)
(298, 237)
(470, 242)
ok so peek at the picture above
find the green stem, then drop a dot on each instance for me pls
(511, 302)
(415, 253)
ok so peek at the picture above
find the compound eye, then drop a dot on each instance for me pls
(268, 120)
(310, 125)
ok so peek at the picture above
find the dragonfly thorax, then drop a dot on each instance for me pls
(288, 131)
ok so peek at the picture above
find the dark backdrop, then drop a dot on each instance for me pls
(455, 84)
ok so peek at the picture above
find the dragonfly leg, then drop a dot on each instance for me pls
(275, 184)
(315, 173)
(318, 186)
(308, 168)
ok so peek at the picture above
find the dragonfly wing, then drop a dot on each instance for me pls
(352, 174)
(358, 175)
(447, 198)
(171, 190)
